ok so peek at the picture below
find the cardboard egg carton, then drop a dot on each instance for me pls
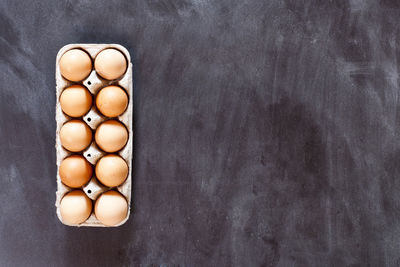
(93, 118)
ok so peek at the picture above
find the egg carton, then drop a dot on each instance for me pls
(93, 118)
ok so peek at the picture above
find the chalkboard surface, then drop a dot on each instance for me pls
(266, 132)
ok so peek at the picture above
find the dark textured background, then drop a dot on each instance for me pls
(266, 132)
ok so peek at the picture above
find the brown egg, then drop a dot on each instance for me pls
(112, 101)
(111, 208)
(75, 207)
(75, 171)
(75, 101)
(75, 135)
(110, 64)
(111, 170)
(75, 65)
(111, 136)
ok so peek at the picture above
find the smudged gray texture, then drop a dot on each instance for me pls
(266, 133)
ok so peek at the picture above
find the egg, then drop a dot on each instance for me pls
(111, 208)
(75, 101)
(111, 170)
(111, 136)
(110, 64)
(75, 65)
(112, 101)
(75, 207)
(75, 171)
(75, 135)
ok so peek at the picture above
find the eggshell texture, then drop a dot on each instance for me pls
(75, 135)
(75, 207)
(112, 101)
(75, 171)
(111, 170)
(75, 65)
(110, 64)
(111, 136)
(111, 208)
(75, 101)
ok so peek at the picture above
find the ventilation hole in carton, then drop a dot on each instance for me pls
(89, 191)
(89, 119)
(89, 83)
(88, 155)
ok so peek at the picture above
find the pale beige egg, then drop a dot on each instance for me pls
(75, 135)
(111, 136)
(111, 208)
(75, 101)
(112, 101)
(75, 65)
(111, 170)
(110, 64)
(75, 207)
(75, 171)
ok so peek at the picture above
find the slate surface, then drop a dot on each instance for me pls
(267, 132)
